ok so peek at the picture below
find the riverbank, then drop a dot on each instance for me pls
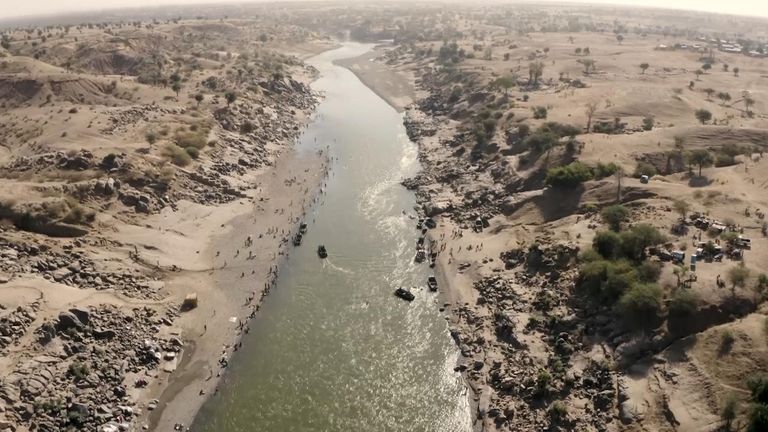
(397, 89)
(243, 273)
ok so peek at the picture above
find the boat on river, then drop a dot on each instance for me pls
(321, 252)
(404, 294)
(432, 283)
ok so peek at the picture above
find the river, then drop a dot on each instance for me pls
(332, 349)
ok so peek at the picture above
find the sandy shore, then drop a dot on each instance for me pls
(232, 278)
(397, 89)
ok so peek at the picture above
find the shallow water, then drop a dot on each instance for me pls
(332, 349)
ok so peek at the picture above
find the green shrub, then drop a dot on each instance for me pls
(614, 216)
(605, 170)
(683, 303)
(177, 155)
(758, 418)
(191, 139)
(539, 142)
(558, 410)
(649, 271)
(539, 112)
(568, 176)
(607, 244)
(193, 152)
(644, 168)
(642, 302)
(79, 370)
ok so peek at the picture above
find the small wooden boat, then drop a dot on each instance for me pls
(321, 252)
(420, 255)
(432, 283)
(404, 294)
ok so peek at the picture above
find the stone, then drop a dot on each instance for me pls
(83, 315)
(68, 320)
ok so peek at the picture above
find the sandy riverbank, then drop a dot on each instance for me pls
(397, 89)
(234, 280)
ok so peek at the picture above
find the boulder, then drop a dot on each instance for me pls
(68, 320)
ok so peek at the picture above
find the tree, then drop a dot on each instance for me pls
(735, 71)
(620, 38)
(748, 102)
(589, 65)
(586, 51)
(738, 276)
(176, 87)
(682, 207)
(709, 92)
(644, 66)
(706, 66)
(724, 97)
(728, 414)
(702, 158)
(199, 98)
(151, 138)
(614, 215)
(589, 109)
(703, 115)
(535, 71)
(505, 82)
(698, 73)
(578, 51)
(725, 67)
(230, 97)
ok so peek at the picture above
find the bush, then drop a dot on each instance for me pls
(614, 215)
(540, 141)
(758, 418)
(758, 386)
(190, 139)
(637, 239)
(648, 123)
(649, 271)
(539, 112)
(607, 244)
(560, 129)
(193, 152)
(683, 303)
(641, 303)
(644, 168)
(568, 176)
(558, 410)
(247, 127)
(79, 370)
(177, 155)
(605, 170)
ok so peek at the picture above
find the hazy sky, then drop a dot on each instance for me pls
(12, 8)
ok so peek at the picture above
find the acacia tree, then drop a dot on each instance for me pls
(698, 73)
(735, 71)
(620, 38)
(724, 97)
(703, 115)
(644, 66)
(588, 64)
(199, 98)
(738, 276)
(682, 207)
(589, 109)
(748, 102)
(702, 158)
(535, 71)
(709, 92)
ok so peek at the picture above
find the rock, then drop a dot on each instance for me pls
(83, 315)
(68, 320)
(101, 334)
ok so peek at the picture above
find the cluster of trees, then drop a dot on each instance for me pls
(546, 136)
(616, 273)
(569, 176)
(450, 53)
(582, 51)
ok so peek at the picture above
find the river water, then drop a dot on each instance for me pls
(332, 349)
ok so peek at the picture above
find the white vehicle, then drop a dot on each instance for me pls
(744, 242)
